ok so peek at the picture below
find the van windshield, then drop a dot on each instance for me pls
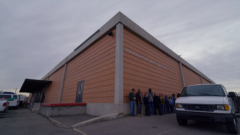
(203, 90)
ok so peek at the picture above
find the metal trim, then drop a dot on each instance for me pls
(118, 92)
(63, 78)
(182, 76)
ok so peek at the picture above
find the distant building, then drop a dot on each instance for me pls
(103, 69)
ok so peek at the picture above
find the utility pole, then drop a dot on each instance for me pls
(15, 90)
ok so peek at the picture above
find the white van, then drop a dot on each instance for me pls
(207, 102)
(14, 99)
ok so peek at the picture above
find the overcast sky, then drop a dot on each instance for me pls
(36, 35)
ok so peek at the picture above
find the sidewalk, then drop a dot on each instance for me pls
(73, 119)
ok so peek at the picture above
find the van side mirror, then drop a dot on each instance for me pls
(178, 95)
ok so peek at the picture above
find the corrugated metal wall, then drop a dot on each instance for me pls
(205, 81)
(96, 66)
(53, 90)
(190, 77)
(140, 73)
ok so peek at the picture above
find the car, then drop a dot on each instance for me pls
(206, 102)
(3, 105)
(13, 99)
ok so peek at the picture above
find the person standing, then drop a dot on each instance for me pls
(132, 103)
(139, 101)
(170, 104)
(167, 103)
(157, 104)
(162, 103)
(174, 100)
(146, 103)
(150, 96)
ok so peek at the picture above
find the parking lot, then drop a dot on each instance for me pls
(22, 121)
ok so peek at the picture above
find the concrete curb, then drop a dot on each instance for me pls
(98, 119)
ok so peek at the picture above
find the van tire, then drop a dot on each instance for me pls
(182, 122)
(232, 127)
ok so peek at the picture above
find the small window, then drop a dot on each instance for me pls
(15, 96)
(5, 96)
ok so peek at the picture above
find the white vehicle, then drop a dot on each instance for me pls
(209, 102)
(3, 105)
(14, 102)
(22, 99)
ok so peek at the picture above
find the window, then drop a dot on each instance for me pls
(5, 96)
(203, 90)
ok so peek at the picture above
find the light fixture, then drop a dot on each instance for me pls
(110, 34)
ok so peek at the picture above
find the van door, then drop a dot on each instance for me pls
(79, 93)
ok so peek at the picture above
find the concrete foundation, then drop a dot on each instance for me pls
(101, 109)
(36, 107)
(49, 111)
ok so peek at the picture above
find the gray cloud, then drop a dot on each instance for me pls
(37, 35)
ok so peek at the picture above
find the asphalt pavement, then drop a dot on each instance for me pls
(22, 121)
(154, 125)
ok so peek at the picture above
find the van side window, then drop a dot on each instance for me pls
(5, 96)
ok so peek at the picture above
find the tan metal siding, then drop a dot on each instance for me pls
(190, 77)
(205, 81)
(96, 66)
(142, 74)
(53, 90)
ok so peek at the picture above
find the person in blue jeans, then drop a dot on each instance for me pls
(150, 97)
(173, 99)
(162, 103)
(132, 102)
(167, 103)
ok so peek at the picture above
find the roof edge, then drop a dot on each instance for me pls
(119, 17)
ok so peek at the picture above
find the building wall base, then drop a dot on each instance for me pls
(49, 111)
(36, 107)
(101, 109)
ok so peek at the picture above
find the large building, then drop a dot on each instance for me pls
(103, 69)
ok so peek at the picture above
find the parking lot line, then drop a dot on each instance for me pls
(79, 131)
(54, 120)
(169, 131)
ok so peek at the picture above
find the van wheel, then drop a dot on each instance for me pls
(182, 122)
(232, 127)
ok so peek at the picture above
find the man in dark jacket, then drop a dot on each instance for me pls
(139, 101)
(132, 103)
(150, 96)
(157, 103)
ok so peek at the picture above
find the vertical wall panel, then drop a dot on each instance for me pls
(52, 92)
(141, 73)
(96, 66)
(190, 77)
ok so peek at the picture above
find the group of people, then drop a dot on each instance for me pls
(154, 104)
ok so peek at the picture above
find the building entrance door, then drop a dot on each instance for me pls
(79, 92)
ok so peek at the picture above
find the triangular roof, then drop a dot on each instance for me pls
(133, 27)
